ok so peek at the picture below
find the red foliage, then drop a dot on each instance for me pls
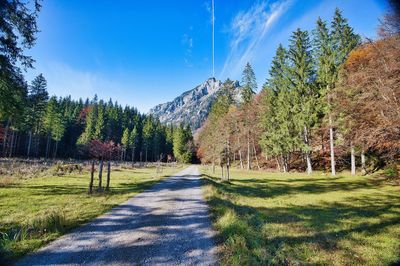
(103, 150)
(83, 114)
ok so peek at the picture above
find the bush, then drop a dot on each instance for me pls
(62, 169)
(391, 171)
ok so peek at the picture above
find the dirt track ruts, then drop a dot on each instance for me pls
(165, 225)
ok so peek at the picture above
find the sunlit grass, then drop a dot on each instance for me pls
(38, 210)
(297, 219)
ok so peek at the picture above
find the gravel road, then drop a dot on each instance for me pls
(165, 225)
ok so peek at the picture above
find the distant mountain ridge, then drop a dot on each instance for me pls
(192, 107)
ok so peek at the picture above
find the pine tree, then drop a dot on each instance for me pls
(100, 122)
(91, 117)
(280, 136)
(304, 94)
(18, 27)
(183, 144)
(331, 48)
(249, 83)
(125, 140)
(58, 130)
(36, 108)
(133, 141)
(148, 135)
(50, 119)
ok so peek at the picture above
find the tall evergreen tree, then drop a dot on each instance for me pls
(133, 141)
(148, 135)
(18, 27)
(249, 83)
(304, 94)
(100, 122)
(280, 135)
(36, 108)
(183, 148)
(331, 48)
(50, 119)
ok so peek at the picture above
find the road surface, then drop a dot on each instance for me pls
(165, 225)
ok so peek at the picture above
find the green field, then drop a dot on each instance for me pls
(297, 219)
(38, 210)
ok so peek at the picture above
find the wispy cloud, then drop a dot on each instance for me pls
(248, 30)
(187, 42)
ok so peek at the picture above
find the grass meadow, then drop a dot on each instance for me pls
(298, 219)
(38, 210)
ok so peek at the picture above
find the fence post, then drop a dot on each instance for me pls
(100, 174)
(108, 176)
(91, 178)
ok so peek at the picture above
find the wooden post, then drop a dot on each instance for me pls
(100, 174)
(91, 178)
(108, 176)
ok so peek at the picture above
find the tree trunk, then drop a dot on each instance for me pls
(333, 167)
(255, 155)
(241, 159)
(285, 164)
(308, 153)
(133, 155)
(222, 172)
(48, 145)
(309, 166)
(6, 138)
(12, 144)
(100, 174)
(227, 172)
(108, 175)
(278, 164)
(248, 151)
(29, 144)
(91, 178)
(363, 166)
(353, 160)
(37, 145)
(55, 150)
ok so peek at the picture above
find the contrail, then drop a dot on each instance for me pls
(212, 18)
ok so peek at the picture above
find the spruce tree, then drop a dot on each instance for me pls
(125, 140)
(280, 136)
(100, 122)
(148, 135)
(249, 83)
(133, 141)
(331, 47)
(36, 108)
(304, 94)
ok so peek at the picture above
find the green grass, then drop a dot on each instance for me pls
(297, 219)
(38, 210)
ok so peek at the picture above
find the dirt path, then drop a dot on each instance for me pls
(165, 225)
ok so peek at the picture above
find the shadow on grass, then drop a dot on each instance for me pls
(69, 189)
(323, 225)
(255, 187)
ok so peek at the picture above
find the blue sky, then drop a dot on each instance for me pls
(142, 53)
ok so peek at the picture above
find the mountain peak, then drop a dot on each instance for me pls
(191, 107)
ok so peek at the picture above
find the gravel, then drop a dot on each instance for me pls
(165, 225)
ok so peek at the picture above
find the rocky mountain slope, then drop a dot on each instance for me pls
(191, 106)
